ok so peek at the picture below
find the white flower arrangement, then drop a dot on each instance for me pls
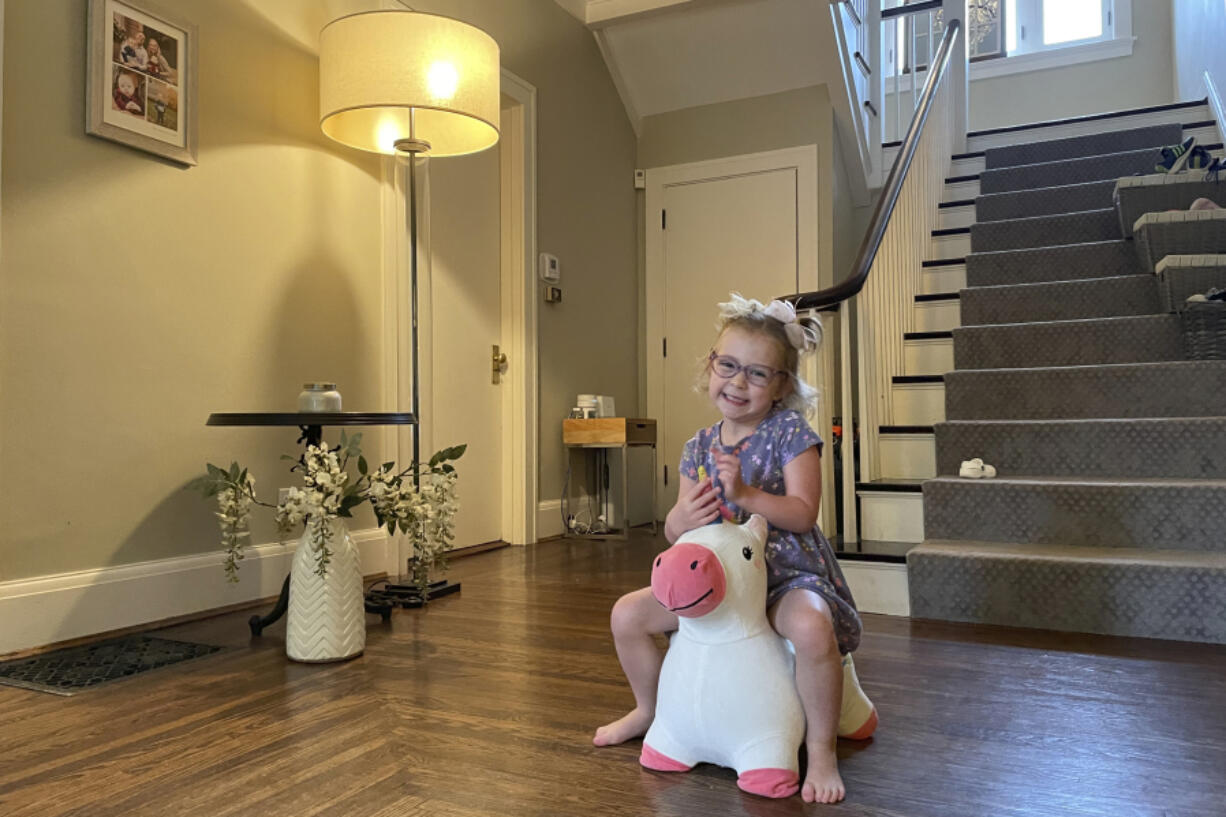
(419, 501)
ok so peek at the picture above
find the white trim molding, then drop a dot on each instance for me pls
(1214, 95)
(879, 587)
(50, 609)
(549, 519)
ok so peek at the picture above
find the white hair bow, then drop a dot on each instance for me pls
(785, 313)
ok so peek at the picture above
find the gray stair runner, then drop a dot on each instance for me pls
(1171, 447)
(1189, 388)
(1108, 513)
(1149, 447)
(1069, 171)
(1113, 591)
(1062, 300)
(1151, 136)
(1046, 231)
(1045, 201)
(1140, 339)
(1098, 260)
(1170, 514)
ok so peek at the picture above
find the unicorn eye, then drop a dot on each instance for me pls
(747, 552)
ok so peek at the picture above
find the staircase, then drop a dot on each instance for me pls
(1046, 345)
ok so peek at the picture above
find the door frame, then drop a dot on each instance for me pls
(519, 410)
(802, 159)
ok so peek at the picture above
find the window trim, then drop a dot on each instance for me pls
(1058, 56)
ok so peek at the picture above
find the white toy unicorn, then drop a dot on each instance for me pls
(727, 692)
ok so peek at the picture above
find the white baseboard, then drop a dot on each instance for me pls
(878, 587)
(50, 609)
(549, 519)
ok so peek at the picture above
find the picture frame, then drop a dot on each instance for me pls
(141, 78)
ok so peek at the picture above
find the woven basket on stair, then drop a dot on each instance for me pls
(1204, 330)
(1182, 275)
(1198, 232)
(1157, 193)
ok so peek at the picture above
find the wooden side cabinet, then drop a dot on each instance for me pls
(603, 434)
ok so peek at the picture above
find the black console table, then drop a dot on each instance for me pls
(311, 424)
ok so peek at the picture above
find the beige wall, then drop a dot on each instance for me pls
(1143, 78)
(136, 297)
(1200, 45)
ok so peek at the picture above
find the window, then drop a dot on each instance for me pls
(1039, 25)
(1007, 28)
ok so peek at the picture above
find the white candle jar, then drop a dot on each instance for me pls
(317, 397)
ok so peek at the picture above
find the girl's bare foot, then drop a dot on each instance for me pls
(823, 784)
(631, 725)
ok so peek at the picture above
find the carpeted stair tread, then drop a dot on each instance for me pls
(1046, 231)
(1172, 594)
(1148, 447)
(1045, 201)
(1134, 339)
(1073, 147)
(1180, 514)
(1102, 259)
(1069, 171)
(1062, 300)
(1192, 388)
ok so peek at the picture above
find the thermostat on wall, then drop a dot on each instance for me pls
(551, 271)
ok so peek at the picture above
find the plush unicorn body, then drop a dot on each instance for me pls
(727, 692)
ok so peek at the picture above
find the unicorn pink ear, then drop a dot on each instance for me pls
(757, 524)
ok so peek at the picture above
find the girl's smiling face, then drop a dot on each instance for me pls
(738, 400)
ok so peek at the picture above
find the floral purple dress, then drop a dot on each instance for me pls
(794, 560)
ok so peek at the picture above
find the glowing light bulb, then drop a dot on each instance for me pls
(442, 80)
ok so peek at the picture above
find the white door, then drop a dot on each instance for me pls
(465, 320)
(723, 227)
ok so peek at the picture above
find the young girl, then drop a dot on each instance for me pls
(762, 458)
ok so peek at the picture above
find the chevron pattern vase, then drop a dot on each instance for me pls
(327, 616)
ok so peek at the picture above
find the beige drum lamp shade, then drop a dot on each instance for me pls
(387, 76)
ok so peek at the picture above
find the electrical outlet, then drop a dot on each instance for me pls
(282, 495)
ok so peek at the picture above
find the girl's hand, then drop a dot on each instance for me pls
(728, 468)
(697, 507)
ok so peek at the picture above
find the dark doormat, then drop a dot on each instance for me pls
(73, 669)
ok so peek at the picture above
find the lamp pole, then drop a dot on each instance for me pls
(411, 148)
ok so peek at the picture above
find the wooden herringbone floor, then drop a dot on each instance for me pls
(485, 704)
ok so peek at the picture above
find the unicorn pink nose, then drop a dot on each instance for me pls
(688, 579)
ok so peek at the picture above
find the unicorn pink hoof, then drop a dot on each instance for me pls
(651, 759)
(770, 782)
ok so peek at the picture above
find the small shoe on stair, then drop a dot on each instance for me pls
(1214, 294)
(1173, 158)
(1204, 204)
(976, 469)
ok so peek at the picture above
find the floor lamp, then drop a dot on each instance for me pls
(409, 85)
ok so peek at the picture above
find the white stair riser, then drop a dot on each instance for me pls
(961, 191)
(942, 279)
(937, 316)
(1180, 115)
(949, 246)
(956, 217)
(879, 587)
(917, 404)
(888, 516)
(935, 356)
(967, 167)
(908, 456)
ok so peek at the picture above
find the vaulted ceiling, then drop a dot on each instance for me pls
(666, 55)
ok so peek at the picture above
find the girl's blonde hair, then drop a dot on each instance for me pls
(796, 336)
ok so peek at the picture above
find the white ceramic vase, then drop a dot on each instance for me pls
(327, 615)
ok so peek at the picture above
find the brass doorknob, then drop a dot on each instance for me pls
(499, 365)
